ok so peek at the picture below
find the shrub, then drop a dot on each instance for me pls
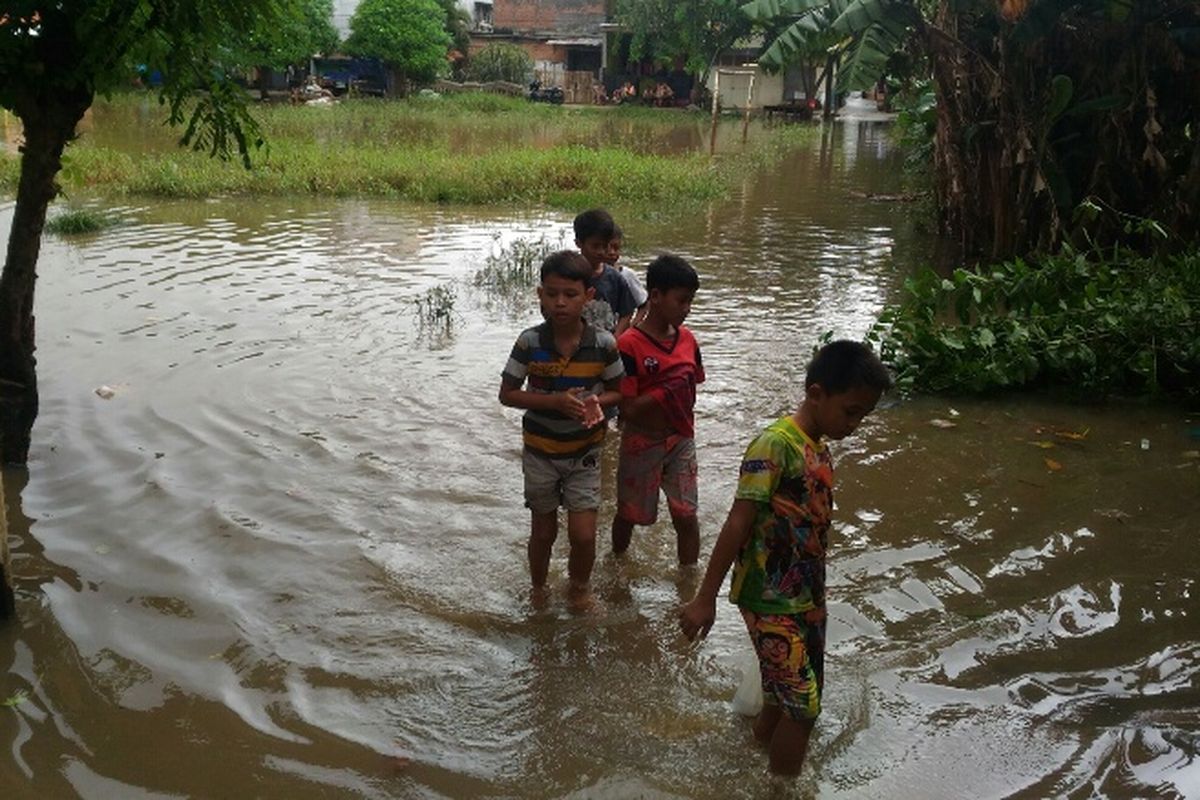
(500, 62)
(1089, 322)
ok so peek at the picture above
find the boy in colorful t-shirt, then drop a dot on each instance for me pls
(776, 537)
(658, 394)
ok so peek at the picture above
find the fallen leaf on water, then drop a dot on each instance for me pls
(1073, 436)
(1045, 445)
(1112, 513)
(105, 392)
(1053, 465)
(943, 423)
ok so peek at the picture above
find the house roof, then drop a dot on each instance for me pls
(579, 41)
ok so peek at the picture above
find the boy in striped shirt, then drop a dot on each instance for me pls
(563, 373)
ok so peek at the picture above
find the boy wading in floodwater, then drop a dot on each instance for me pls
(612, 304)
(573, 372)
(662, 368)
(776, 536)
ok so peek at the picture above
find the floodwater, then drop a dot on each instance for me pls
(287, 557)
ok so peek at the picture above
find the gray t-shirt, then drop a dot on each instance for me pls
(613, 300)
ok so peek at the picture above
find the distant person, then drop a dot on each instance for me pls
(612, 305)
(658, 397)
(776, 538)
(640, 296)
(563, 372)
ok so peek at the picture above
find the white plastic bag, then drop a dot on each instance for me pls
(748, 699)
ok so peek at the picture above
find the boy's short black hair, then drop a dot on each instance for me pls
(593, 223)
(617, 232)
(844, 365)
(569, 264)
(671, 272)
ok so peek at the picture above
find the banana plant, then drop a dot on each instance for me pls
(865, 33)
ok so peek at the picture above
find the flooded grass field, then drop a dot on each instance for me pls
(286, 556)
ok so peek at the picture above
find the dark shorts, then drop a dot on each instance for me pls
(791, 659)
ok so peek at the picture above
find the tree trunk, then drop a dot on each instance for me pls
(8, 604)
(49, 121)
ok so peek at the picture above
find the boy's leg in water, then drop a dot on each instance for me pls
(622, 533)
(679, 485)
(789, 744)
(765, 722)
(639, 475)
(543, 532)
(581, 530)
(687, 538)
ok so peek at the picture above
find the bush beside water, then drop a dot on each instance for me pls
(1090, 323)
(78, 221)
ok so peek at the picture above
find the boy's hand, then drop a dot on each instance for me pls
(593, 414)
(568, 404)
(697, 617)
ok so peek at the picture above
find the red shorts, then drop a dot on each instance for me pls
(648, 464)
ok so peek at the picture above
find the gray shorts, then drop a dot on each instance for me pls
(573, 483)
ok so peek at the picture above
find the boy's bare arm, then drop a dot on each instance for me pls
(697, 616)
(643, 410)
(609, 397)
(567, 402)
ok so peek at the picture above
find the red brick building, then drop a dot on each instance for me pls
(565, 39)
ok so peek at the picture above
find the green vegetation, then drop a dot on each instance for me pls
(15, 699)
(1090, 323)
(500, 62)
(516, 266)
(1039, 106)
(435, 307)
(407, 35)
(462, 149)
(77, 221)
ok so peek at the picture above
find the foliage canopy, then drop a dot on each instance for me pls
(291, 38)
(407, 35)
(696, 32)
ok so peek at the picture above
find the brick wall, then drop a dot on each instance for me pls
(549, 16)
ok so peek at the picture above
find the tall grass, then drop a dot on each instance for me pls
(461, 149)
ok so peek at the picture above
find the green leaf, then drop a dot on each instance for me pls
(1061, 90)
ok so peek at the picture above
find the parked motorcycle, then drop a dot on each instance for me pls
(548, 94)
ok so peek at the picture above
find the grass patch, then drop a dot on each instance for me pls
(477, 149)
(79, 221)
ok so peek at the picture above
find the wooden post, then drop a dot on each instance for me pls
(749, 102)
(712, 139)
(8, 605)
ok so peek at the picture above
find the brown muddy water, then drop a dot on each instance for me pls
(286, 558)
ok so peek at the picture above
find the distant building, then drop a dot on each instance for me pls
(565, 38)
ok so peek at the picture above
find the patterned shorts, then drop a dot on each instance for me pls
(648, 464)
(791, 659)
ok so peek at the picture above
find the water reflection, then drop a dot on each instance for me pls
(288, 552)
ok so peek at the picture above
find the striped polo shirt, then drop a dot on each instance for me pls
(594, 366)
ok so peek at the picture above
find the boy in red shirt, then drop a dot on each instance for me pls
(658, 394)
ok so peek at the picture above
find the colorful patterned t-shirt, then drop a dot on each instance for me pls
(781, 568)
